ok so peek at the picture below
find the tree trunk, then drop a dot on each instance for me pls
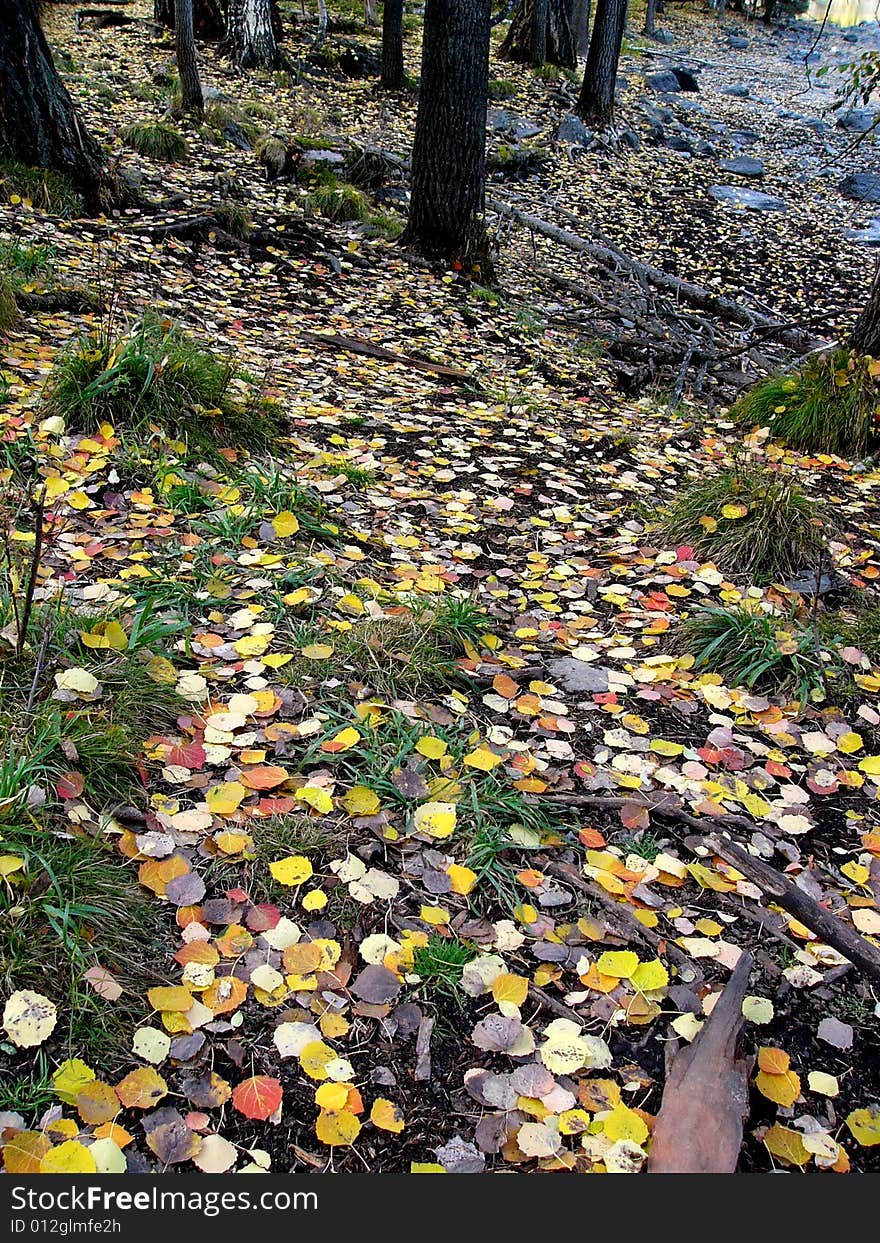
(650, 30)
(192, 100)
(596, 101)
(580, 25)
(39, 124)
(251, 34)
(865, 337)
(541, 32)
(392, 78)
(449, 151)
(209, 17)
(370, 18)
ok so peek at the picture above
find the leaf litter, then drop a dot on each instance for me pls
(322, 810)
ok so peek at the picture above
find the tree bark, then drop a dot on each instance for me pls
(541, 33)
(370, 18)
(865, 336)
(209, 17)
(580, 25)
(251, 34)
(39, 124)
(449, 151)
(192, 100)
(392, 78)
(596, 101)
(650, 30)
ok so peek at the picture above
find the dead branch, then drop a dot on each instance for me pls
(706, 1096)
(357, 345)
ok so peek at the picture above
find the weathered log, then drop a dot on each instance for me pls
(806, 910)
(356, 345)
(696, 295)
(706, 1097)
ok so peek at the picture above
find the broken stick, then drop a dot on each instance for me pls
(706, 1095)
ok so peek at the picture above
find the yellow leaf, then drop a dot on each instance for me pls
(483, 759)
(649, 976)
(71, 1157)
(437, 916)
(361, 801)
(660, 746)
(293, 870)
(425, 1167)
(822, 1083)
(782, 1089)
(316, 900)
(461, 878)
(864, 1125)
(337, 1129)
(316, 797)
(285, 524)
(252, 644)
(314, 1057)
(619, 963)
(78, 680)
(332, 1095)
(70, 1078)
(624, 1123)
(870, 765)
(435, 819)
(510, 988)
(850, 742)
(10, 864)
(225, 799)
(732, 510)
(317, 651)
(387, 1116)
(29, 1018)
(343, 741)
(787, 1145)
(172, 997)
(431, 748)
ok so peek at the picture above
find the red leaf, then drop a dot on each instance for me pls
(258, 1097)
(70, 785)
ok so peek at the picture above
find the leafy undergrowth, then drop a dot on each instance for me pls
(302, 713)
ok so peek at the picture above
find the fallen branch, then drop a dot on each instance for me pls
(622, 922)
(357, 345)
(806, 910)
(706, 1097)
(697, 296)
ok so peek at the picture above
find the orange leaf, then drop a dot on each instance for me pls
(773, 1061)
(505, 686)
(264, 777)
(258, 1097)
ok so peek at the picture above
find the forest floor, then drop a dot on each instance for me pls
(291, 833)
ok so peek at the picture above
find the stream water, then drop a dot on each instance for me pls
(845, 12)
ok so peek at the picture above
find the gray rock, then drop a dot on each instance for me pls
(744, 137)
(500, 121)
(572, 129)
(664, 80)
(863, 187)
(737, 90)
(857, 120)
(850, 36)
(736, 41)
(751, 200)
(326, 159)
(743, 166)
(577, 675)
(868, 236)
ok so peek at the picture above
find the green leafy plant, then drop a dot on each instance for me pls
(749, 520)
(157, 373)
(441, 962)
(829, 406)
(762, 651)
(48, 191)
(156, 139)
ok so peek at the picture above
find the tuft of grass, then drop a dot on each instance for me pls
(234, 218)
(74, 905)
(20, 263)
(761, 651)
(441, 962)
(858, 627)
(274, 838)
(829, 406)
(501, 89)
(750, 521)
(338, 201)
(157, 373)
(48, 191)
(646, 845)
(8, 304)
(156, 139)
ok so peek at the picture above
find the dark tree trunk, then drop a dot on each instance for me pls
(251, 34)
(650, 30)
(449, 151)
(209, 17)
(580, 25)
(596, 101)
(192, 100)
(392, 78)
(865, 337)
(541, 32)
(39, 124)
